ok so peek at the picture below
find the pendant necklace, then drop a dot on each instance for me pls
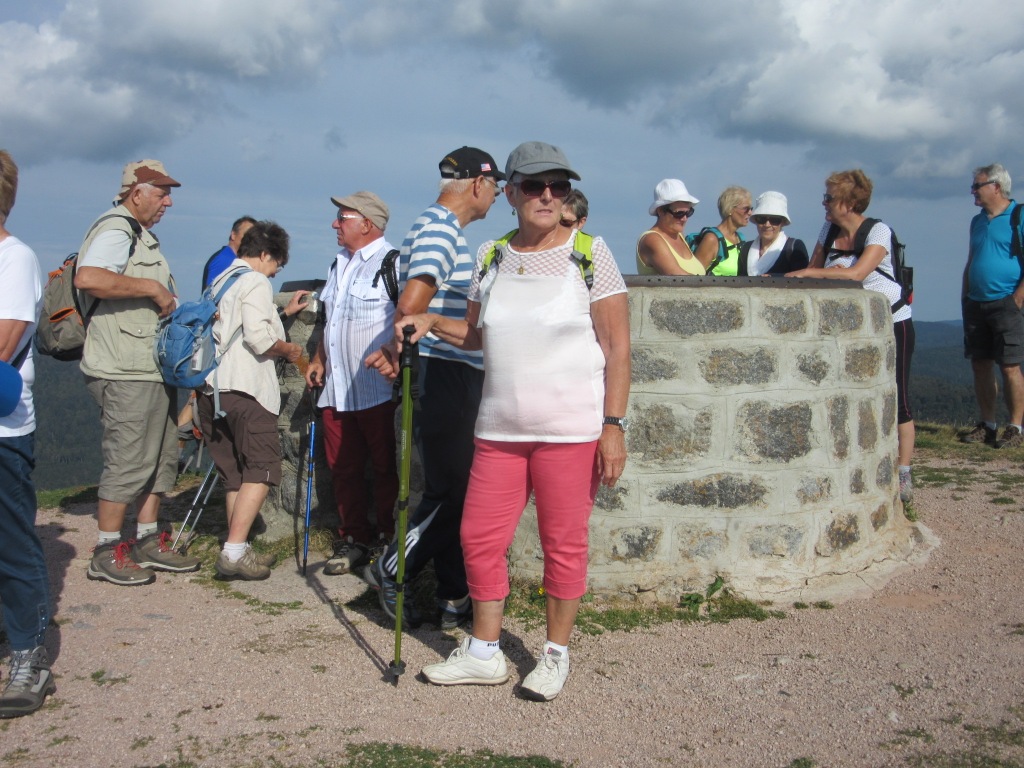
(522, 269)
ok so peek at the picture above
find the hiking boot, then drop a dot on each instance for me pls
(906, 488)
(267, 559)
(247, 567)
(348, 555)
(1011, 438)
(454, 613)
(981, 433)
(548, 677)
(113, 562)
(31, 682)
(154, 551)
(462, 669)
(387, 593)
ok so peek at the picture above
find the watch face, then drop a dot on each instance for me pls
(624, 423)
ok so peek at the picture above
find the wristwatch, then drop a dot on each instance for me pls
(622, 423)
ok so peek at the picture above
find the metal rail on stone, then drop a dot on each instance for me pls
(716, 281)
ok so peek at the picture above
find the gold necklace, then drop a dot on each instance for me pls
(519, 252)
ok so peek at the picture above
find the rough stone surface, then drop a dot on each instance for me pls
(724, 367)
(839, 426)
(814, 489)
(716, 491)
(648, 367)
(843, 532)
(663, 434)
(775, 541)
(813, 366)
(775, 433)
(837, 317)
(636, 544)
(688, 318)
(879, 517)
(863, 363)
(785, 318)
(867, 429)
(857, 481)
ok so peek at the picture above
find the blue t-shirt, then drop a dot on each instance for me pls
(216, 264)
(994, 271)
(436, 248)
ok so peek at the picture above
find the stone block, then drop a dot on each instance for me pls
(839, 316)
(842, 533)
(775, 540)
(814, 489)
(698, 542)
(736, 367)
(889, 412)
(719, 491)
(784, 319)
(881, 314)
(777, 433)
(694, 317)
(890, 356)
(813, 366)
(839, 426)
(857, 482)
(884, 474)
(636, 544)
(612, 500)
(880, 517)
(867, 428)
(648, 366)
(664, 434)
(863, 363)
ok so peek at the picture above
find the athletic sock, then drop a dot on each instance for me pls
(992, 425)
(143, 530)
(904, 470)
(562, 649)
(107, 538)
(234, 552)
(483, 649)
(1015, 426)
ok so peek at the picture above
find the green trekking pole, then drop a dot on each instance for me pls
(407, 360)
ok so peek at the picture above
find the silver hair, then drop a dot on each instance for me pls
(454, 186)
(998, 174)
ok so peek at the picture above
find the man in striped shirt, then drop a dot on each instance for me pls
(358, 415)
(436, 270)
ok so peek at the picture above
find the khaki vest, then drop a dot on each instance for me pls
(121, 334)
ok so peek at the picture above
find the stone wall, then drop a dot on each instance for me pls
(762, 446)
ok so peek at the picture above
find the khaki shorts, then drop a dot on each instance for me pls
(245, 445)
(140, 440)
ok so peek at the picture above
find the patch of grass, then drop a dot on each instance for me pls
(100, 678)
(15, 755)
(800, 606)
(823, 605)
(904, 691)
(917, 733)
(319, 668)
(802, 762)
(961, 478)
(378, 755)
(62, 498)
(909, 512)
(264, 717)
(142, 742)
(1002, 500)
(65, 739)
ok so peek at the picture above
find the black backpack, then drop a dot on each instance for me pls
(1016, 248)
(902, 275)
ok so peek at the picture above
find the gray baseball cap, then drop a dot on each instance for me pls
(532, 157)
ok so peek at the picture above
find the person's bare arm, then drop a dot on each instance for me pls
(104, 284)
(611, 323)
(11, 332)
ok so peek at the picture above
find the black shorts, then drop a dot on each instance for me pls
(994, 330)
(244, 445)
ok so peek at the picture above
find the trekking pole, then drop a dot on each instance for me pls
(206, 497)
(314, 395)
(407, 361)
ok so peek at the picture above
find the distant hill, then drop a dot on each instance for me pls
(68, 434)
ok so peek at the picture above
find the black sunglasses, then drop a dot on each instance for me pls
(978, 185)
(683, 213)
(775, 221)
(535, 188)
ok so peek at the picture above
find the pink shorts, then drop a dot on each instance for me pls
(564, 478)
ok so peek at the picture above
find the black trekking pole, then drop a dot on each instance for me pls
(407, 361)
(314, 395)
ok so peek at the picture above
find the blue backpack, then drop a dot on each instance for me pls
(184, 350)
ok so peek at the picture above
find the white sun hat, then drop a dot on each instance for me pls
(670, 191)
(771, 204)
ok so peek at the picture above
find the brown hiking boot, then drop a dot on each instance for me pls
(113, 563)
(980, 434)
(246, 568)
(1011, 438)
(154, 551)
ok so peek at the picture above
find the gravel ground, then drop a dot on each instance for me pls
(928, 672)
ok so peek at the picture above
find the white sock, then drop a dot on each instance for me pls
(234, 552)
(1015, 426)
(143, 530)
(483, 649)
(992, 425)
(904, 470)
(107, 538)
(562, 649)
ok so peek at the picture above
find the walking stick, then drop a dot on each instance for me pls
(314, 395)
(202, 487)
(407, 360)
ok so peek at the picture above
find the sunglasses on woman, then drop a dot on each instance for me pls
(535, 188)
(775, 221)
(682, 213)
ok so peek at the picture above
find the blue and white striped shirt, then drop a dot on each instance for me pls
(436, 248)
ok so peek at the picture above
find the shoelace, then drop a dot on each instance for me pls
(122, 555)
(23, 665)
(164, 538)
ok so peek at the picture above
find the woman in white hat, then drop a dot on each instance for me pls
(772, 252)
(662, 249)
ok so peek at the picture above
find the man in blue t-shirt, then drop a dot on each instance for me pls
(992, 297)
(436, 270)
(222, 259)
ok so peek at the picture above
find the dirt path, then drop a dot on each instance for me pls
(179, 673)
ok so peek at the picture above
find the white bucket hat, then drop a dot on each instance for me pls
(771, 204)
(670, 191)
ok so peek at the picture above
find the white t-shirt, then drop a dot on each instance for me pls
(880, 234)
(21, 298)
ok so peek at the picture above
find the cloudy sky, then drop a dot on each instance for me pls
(269, 107)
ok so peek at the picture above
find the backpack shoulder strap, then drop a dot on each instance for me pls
(583, 255)
(723, 246)
(1016, 247)
(389, 273)
(496, 253)
(233, 275)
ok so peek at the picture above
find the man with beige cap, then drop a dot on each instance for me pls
(357, 411)
(126, 283)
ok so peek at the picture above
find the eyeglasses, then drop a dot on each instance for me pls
(827, 198)
(497, 189)
(775, 221)
(743, 209)
(682, 213)
(978, 185)
(343, 216)
(568, 222)
(535, 187)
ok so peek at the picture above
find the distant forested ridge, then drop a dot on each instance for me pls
(68, 434)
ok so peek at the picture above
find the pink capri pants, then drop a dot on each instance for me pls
(564, 478)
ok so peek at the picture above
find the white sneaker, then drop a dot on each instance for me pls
(462, 669)
(548, 677)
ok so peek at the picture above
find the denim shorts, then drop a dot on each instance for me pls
(994, 330)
